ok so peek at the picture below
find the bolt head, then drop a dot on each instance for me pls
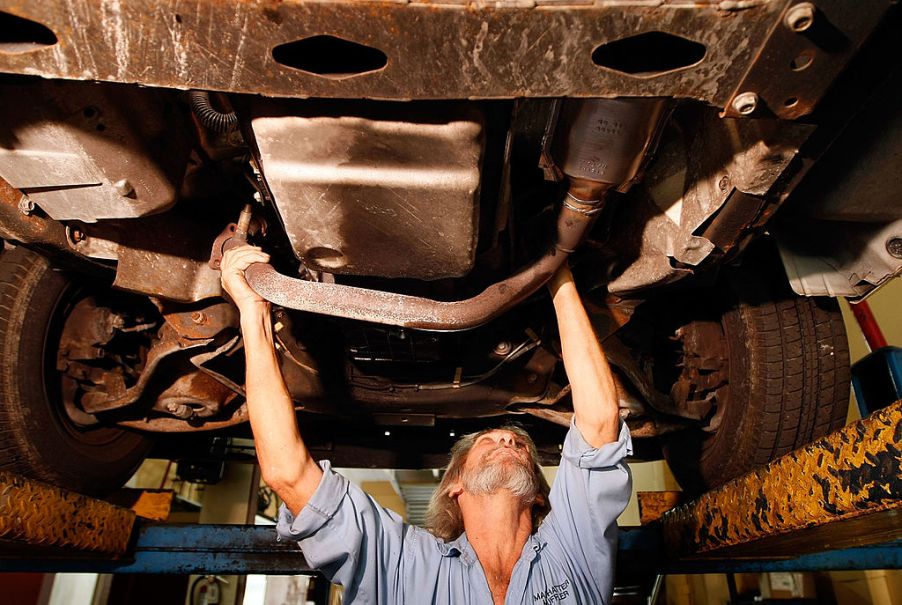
(800, 17)
(502, 348)
(26, 206)
(78, 235)
(894, 246)
(124, 188)
(745, 103)
(199, 317)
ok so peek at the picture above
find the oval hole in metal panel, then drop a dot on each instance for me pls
(21, 35)
(330, 57)
(649, 54)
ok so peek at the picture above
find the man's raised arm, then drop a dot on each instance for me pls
(592, 384)
(285, 463)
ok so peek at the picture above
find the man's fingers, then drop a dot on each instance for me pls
(234, 262)
(242, 257)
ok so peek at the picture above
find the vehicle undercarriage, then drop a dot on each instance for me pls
(417, 172)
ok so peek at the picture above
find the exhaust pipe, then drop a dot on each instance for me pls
(601, 145)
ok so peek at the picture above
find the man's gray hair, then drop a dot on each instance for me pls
(444, 518)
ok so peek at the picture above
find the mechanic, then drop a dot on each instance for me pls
(489, 543)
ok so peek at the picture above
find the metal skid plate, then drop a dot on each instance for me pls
(381, 193)
(87, 152)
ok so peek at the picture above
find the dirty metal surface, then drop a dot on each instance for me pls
(851, 474)
(16, 226)
(879, 556)
(101, 401)
(798, 62)
(165, 255)
(448, 50)
(78, 152)
(704, 367)
(856, 267)
(201, 322)
(353, 190)
(170, 424)
(38, 514)
(193, 396)
(706, 171)
(653, 505)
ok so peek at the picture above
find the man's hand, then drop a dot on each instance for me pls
(562, 277)
(234, 262)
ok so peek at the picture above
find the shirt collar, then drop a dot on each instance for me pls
(532, 548)
(458, 548)
(461, 548)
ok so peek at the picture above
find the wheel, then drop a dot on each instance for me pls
(785, 383)
(40, 438)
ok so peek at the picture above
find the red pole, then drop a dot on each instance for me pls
(868, 325)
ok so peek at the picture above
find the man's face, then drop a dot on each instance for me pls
(498, 444)
(499, 460)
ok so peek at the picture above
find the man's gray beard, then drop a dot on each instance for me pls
(490, 476)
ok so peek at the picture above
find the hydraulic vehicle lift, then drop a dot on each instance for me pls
(834, 504)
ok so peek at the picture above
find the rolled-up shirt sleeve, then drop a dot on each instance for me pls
(591, 489)
(346, 535)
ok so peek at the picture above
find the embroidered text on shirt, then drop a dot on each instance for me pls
(555, 594)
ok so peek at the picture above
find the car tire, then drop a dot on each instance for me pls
(788, 380)
(38, 438)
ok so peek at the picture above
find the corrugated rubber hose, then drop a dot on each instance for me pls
(212, 119)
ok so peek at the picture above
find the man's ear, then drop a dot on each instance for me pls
(456, 489)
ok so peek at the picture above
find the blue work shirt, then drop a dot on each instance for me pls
(378, 558)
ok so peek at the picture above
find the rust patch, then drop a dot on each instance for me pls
(653, 505)
(31, 228)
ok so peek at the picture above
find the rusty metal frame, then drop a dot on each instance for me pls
(805, 50)
(847, 484)
(41, 515)
(435, 49)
